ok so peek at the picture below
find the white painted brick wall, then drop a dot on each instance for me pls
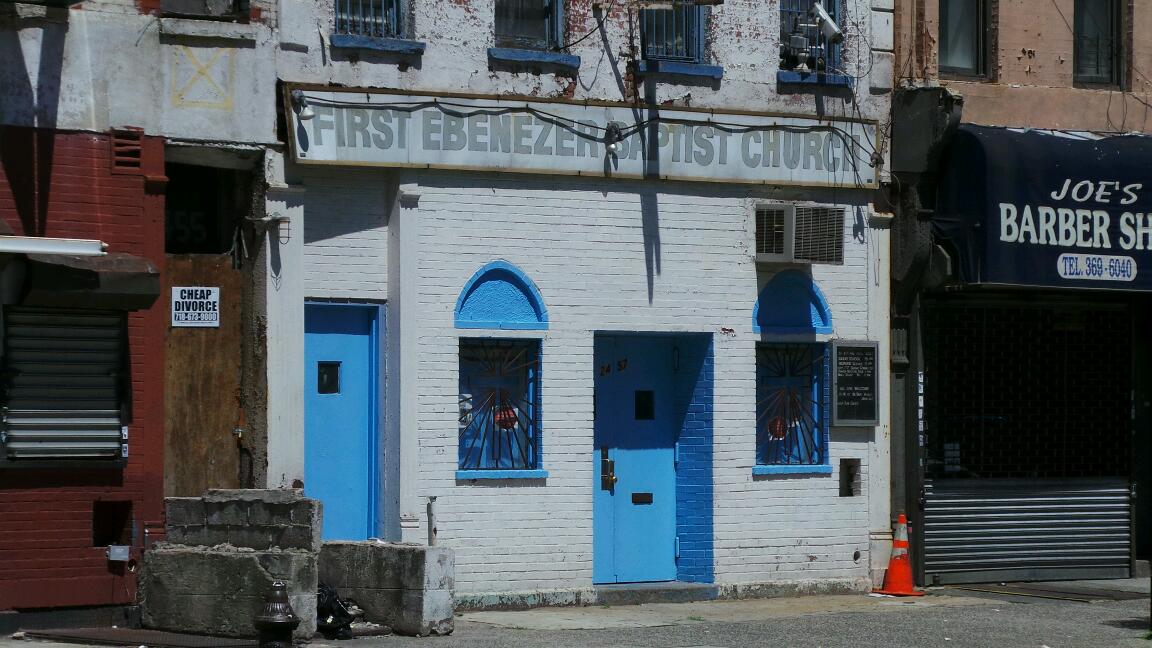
(582, 242)
(345, 233)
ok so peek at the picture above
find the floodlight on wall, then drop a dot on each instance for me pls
(303, 109)
(828, 27)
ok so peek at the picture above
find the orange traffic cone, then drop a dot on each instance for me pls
(898, 578)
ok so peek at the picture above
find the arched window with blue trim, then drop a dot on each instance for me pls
(792, 377)
(499, 377)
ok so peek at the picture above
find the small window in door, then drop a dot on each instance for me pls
(645, 405)
(328, 377)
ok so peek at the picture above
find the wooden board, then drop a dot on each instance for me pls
(202, 383)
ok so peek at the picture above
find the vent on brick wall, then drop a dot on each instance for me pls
(800, 234)
(127, 150)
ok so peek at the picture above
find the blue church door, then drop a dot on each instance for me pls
(634, 502)
(341, 394)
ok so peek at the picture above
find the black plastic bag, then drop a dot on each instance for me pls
(333, 615)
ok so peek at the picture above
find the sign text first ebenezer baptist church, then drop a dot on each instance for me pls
(378, 129)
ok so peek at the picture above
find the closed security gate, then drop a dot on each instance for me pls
(1027, 433)
(62, 384)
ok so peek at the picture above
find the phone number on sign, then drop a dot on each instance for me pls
(1096, 267)
(195, 317)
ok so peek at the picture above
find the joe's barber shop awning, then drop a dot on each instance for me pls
(1044, 208)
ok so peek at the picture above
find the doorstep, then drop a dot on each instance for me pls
(666, 592)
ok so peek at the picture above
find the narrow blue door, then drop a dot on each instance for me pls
(341, 387)
(634, 506)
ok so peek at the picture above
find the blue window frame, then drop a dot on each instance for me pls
(791, 410)
(806, 56)
(529, 24)
(675, 34)
(371, 18)
(499, 404)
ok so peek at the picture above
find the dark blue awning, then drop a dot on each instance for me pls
(1044, 208)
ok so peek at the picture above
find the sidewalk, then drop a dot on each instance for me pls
(946, 618)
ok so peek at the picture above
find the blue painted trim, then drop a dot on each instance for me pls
(792, 470)
(526, 283)
(505, 326)
(401, 46)
(791, 77)
(538, 473)
(679, 68)
(559, 60)
(814, 291)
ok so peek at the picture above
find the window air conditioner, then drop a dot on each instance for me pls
(799, 234)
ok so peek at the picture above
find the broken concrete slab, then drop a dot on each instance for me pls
(219, 590)
(410, 588)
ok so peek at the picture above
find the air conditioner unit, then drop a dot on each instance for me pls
(799, 234)
(213, 9)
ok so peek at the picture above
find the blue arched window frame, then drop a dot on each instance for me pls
(499, 376)
(792, 376)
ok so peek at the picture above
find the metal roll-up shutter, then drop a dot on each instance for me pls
(1009, 529)
(62, 383)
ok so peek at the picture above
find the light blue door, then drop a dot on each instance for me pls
(634, 506)
(341, 393)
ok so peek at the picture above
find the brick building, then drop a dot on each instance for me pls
(1019, 287)
(574, 276)
(130, 135)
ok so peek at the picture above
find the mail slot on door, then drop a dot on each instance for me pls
(641, 498)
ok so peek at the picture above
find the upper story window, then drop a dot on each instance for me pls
(963, 26)
(371, 18)
(675, 34)
(528, 24)
(1097, 50)
(807, 55)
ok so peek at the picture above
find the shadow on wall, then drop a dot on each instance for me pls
(26, 155)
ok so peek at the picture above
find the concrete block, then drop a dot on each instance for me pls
(309, 512)
(226, 513)
(265, 514)
(297, 537)
(184, 511)
(408, 587)
(219, 591)
(189, 535)
(266, 495)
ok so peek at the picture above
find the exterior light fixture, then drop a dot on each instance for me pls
(612, 138)
(828, 27)
(303, 109)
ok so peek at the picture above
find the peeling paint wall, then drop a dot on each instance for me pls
(104, 64)
(742, 36)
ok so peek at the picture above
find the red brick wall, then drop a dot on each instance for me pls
(62, 184)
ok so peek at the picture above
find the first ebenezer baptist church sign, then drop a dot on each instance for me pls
(380, 129)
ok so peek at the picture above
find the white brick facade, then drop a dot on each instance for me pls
(592, 247)
(606, 256)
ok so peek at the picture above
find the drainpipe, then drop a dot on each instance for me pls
(431, 511)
